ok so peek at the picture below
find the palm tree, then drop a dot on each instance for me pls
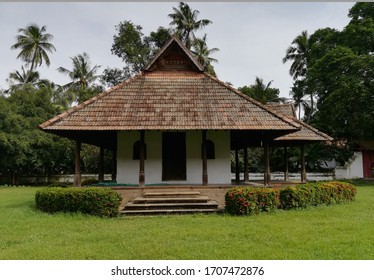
(82, 74)
(298, 54)
(34, 44)
(203, 54)
(261, 92)
(297, 93)
(186, 23)
(18, 78)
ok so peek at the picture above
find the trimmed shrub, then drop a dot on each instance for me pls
(247, 201)
(313, 194)
(101, 202)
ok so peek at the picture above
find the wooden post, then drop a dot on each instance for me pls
(303, 171)
(237, 171)
(266, 164)
(205, 161)
(246, 176)
(141, 161)
(101, 165)
(286, 175)
(114, 164)
(77, 173)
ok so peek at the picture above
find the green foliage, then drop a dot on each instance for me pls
(23, 147)
(34, 43)
(247, 201)
(261, 92)
(186, 23)
(336, 70)
(101, 202)
(134, 48)
(314, 194)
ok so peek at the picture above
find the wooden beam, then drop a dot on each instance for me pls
(141, 161)
(286, 174)
(246, 176)
(114, 164)
(237, 171)
(205, 160)
(266, 164)
(77, 173)
(101, 165)
(303, 171)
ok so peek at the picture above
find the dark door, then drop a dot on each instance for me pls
(173, 156)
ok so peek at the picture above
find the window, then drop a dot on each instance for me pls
(136, 150)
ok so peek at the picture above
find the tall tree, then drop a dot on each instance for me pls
(261, 92)
(82, 74)
(34, 43)
(134, 48)
(299, 54)
(203, 54)
(18, 78)
(186, 23)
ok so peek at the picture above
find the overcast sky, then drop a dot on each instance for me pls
(252, 37)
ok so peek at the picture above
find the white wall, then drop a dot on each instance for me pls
(353, 169)
(218, 169)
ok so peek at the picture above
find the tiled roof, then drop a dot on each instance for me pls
(170, 100)
(172, 93)
(306, 133)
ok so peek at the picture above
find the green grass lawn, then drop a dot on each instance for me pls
(328, 232)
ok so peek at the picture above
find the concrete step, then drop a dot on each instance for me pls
(149, 206)
(169, 211)
(198, 199)
(172, 194)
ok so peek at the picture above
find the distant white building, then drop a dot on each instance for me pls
(352, 169)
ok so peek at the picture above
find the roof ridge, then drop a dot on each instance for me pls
(254, 101)
(89, 101)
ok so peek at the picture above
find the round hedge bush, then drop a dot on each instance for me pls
(247, 201)
(313, 194)
(96, 201)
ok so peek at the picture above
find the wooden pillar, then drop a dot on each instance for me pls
(237, 171)
(114, 164)
(286, 175)
(246, 177)
(266, 164)
(204, 156)
(141, 161)
(101, 165)
(303, 171)
(77, 173)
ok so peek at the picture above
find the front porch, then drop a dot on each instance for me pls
(213, 192)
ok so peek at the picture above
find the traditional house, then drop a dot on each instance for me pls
(172, 123)
(360, 165)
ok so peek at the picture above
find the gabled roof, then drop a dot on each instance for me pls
(171, 94)
(177, 53)
(306, 133)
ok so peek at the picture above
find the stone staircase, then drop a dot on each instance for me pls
(171, 202)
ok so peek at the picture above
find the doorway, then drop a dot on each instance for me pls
(174, 156)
